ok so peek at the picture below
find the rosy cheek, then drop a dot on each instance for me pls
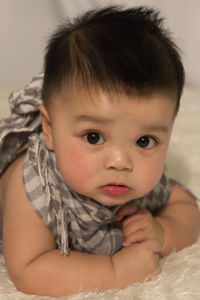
(79, 166)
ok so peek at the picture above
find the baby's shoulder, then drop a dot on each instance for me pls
(11, 180)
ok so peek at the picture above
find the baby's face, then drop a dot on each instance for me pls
(111, 150)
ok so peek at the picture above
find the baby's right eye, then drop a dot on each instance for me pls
(94, 138)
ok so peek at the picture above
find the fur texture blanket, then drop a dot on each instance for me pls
(178, 279)
(179, 276)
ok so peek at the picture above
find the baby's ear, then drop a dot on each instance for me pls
(46, 127)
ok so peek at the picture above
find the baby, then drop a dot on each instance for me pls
(85, 203)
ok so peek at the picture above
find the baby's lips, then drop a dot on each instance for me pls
(115, 189)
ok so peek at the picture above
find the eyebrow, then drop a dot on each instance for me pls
(101, 120)
(161, 128)
(86, 118)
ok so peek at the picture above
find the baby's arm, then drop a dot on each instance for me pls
(180, 221)
(174, 227)
(37, 267)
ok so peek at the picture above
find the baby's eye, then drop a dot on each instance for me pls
(94, 138)
(146, 142)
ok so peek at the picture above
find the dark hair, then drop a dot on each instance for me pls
(124, 50)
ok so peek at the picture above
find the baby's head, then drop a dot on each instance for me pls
(112, 86)
(125, 51)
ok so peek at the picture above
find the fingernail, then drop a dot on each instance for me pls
(126, 244)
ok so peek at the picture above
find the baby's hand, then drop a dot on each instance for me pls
(138, 225)
(135, 263)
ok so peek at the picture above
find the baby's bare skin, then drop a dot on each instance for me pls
(3, 180)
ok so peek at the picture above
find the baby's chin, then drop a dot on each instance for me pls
(112, 201)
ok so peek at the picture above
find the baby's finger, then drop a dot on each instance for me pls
(141, 214)
(125, 211)
(133, 226)
(136, 237)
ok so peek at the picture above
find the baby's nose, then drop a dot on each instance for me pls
(119, 159)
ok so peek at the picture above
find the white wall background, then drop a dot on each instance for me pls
(25, 26)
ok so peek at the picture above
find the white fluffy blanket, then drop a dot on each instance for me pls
(178, 279)
(179, 276)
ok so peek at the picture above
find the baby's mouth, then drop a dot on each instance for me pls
(115, 189)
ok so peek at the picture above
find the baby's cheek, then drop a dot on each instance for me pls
(150, 174)
(154, 176)
(80, 168)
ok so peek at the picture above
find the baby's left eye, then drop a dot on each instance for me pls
(146, 142)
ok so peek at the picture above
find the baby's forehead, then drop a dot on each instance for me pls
(88, 102)
(96, 95)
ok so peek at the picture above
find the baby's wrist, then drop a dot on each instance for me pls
(164, 242)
